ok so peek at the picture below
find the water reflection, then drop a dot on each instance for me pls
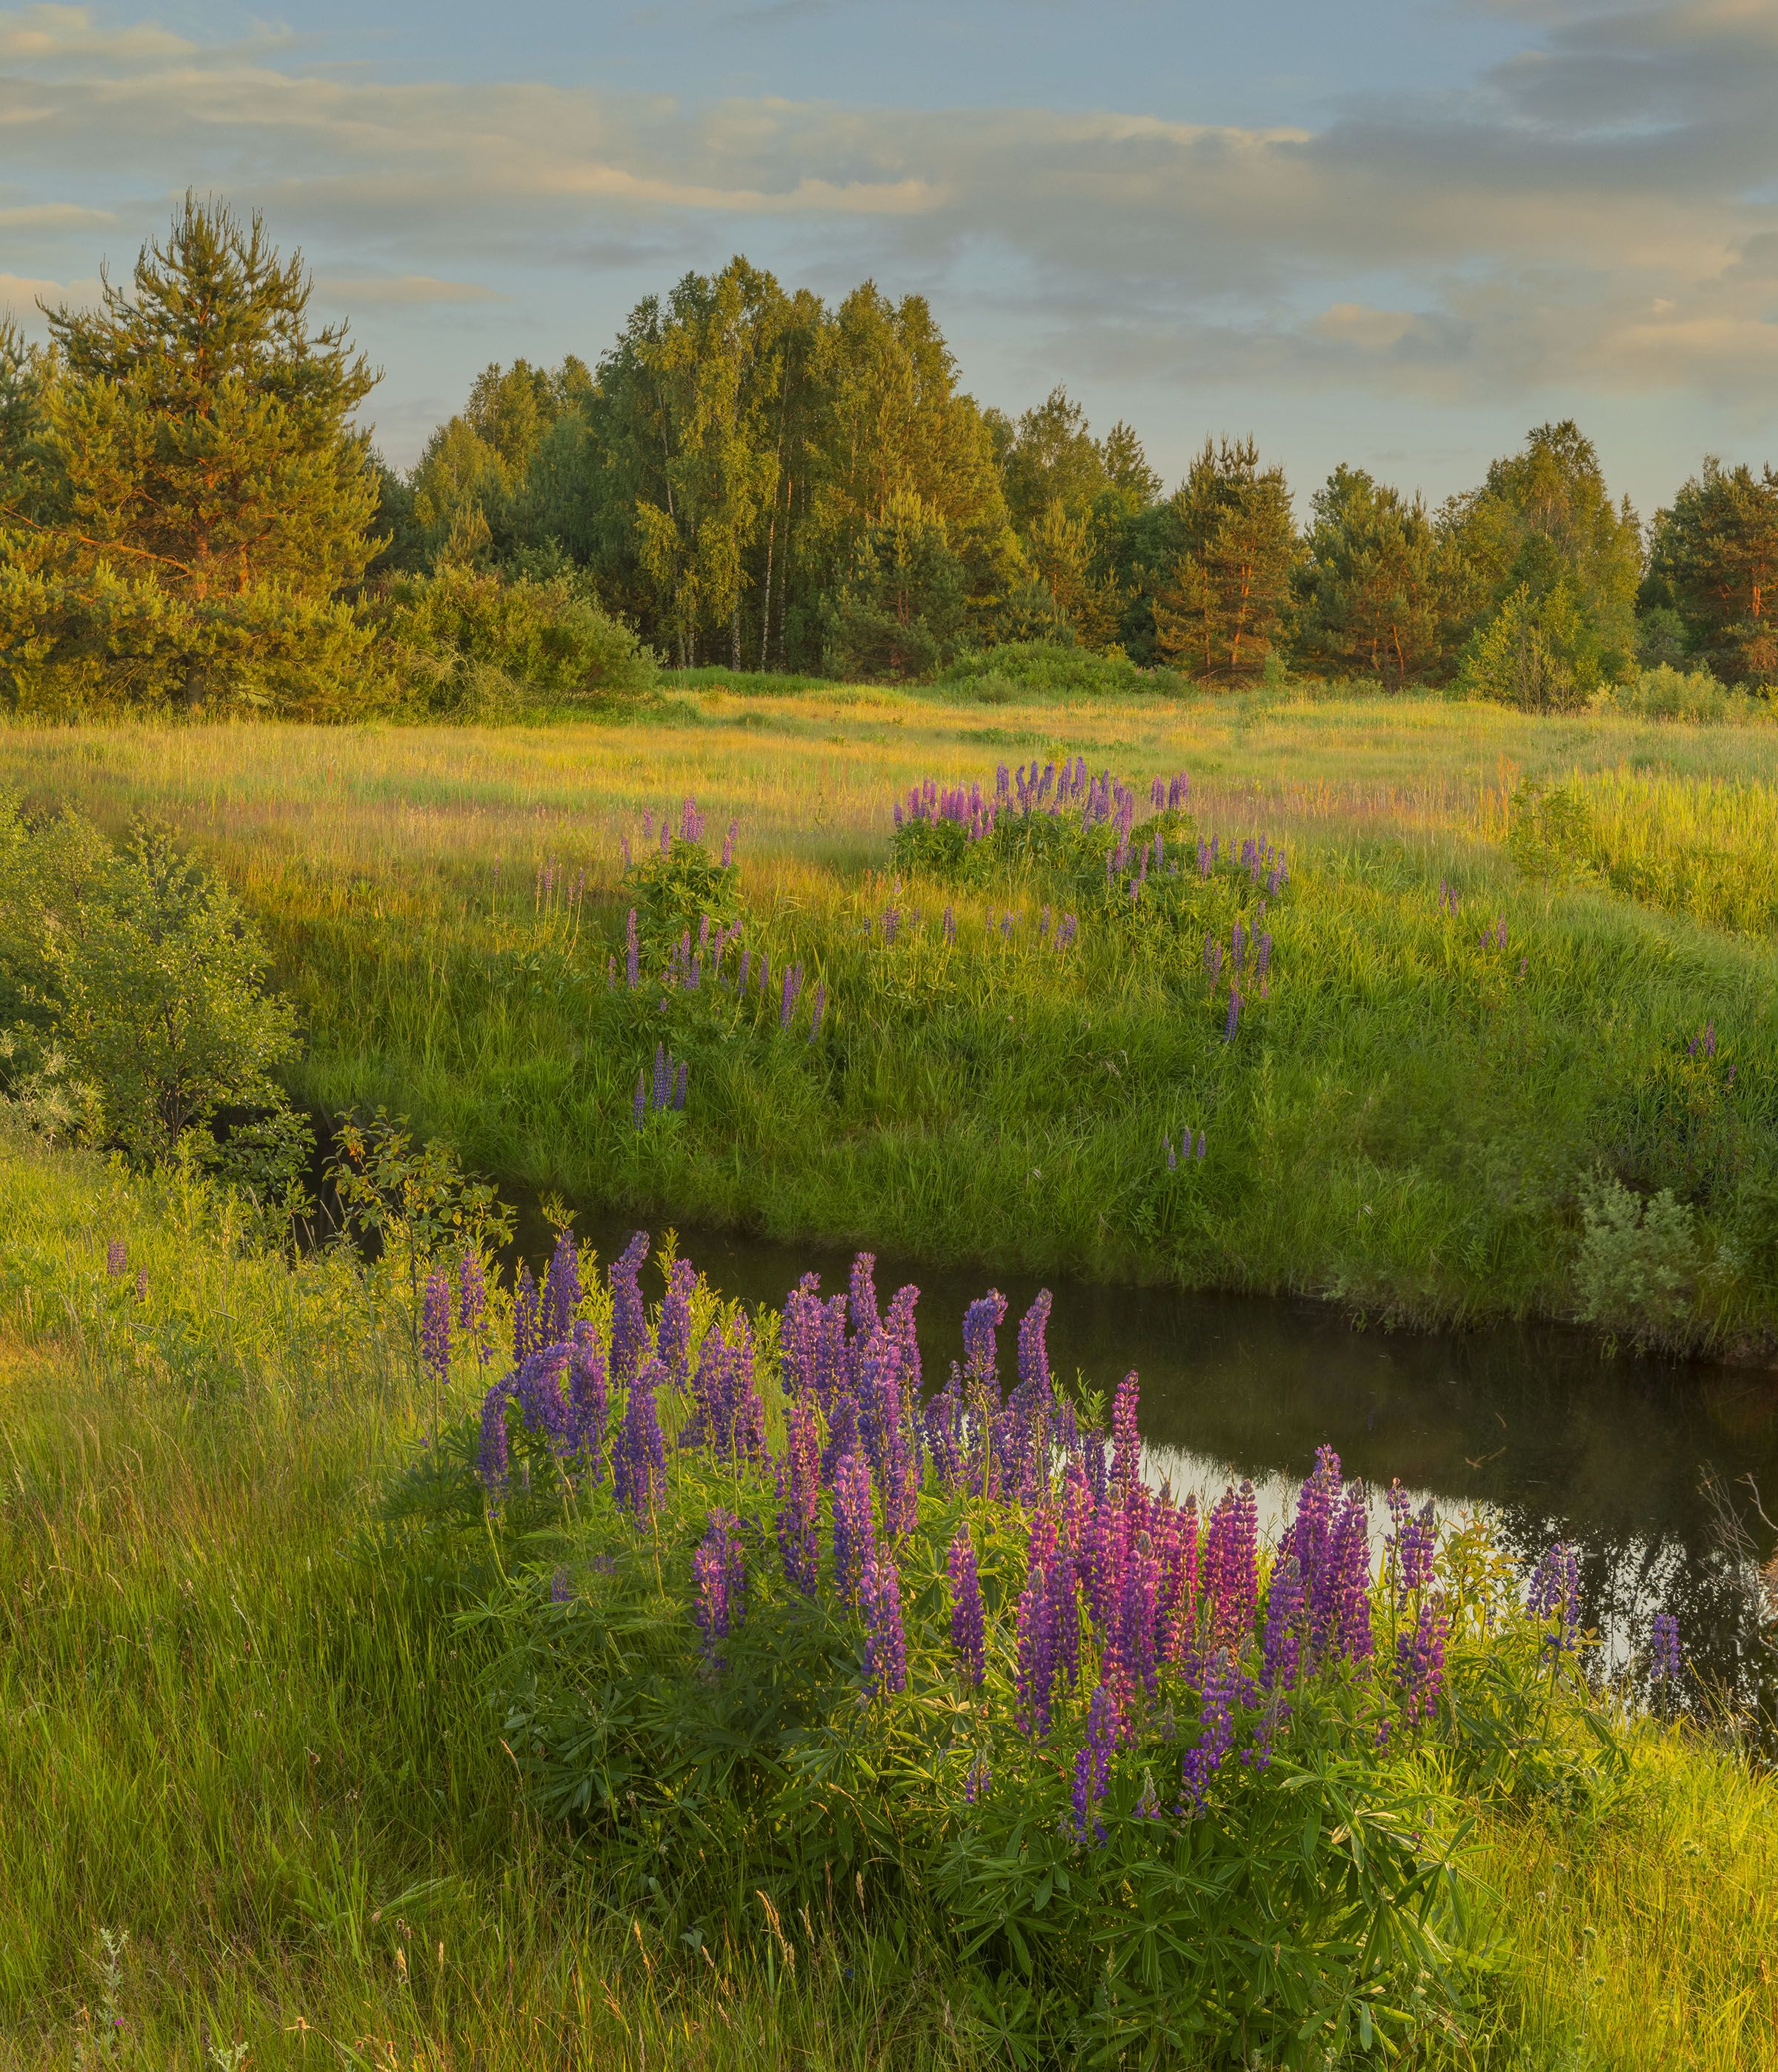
(1616, 1455)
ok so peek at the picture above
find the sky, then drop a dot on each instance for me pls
(1397, 233)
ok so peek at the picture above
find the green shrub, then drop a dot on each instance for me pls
(136, 987)
(1551, 834)
(1539, 654)
(1045, 668)
(1639, 1262)
(1670, 693)
(478, 645)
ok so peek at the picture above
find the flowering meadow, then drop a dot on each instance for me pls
(786, 1622)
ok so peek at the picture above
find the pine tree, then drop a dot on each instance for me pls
(202, 498)
(1225, 602)
(1715, 555)
(1371, 585)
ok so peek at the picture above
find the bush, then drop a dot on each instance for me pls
(1639, 1262)
(1536, 653)
(475, 645)
(136, 989)
(1045, 668)
(1670, 694)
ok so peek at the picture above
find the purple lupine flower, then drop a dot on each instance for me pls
(1350, 1561)
(562, 1291)
(673, 1332)
(741, 980)
(798, 1480)
(942, 1421)
(1177, 1547)
(641, 1096)
(639, 1460)
(966, 1618)
(1231, 1572)
(632, 951)
(435, 1329)
(679, 1086)
(537, 1385)
(854, 1527)
(525, 1321)
(981, 1354)
(1664, 1660)
(492, 1455)
(1215, 1733)
(885, 1641)
(1420, 1660)
(1092, 1762)
(662, 1087)
(117, 1258)
(629, 1318)
(1555, 1593)
(1126, 1440)
(720, 1569)
(1034, 1360)
(588, 1396)
(561, 1591)
(1233, 1021)
(1412, 1543)
(865, 1316)
(1036, 1677)
(950, 925)
(1286, 1621)
(1262, 958)
(472, 1301)
(979, 1781)
(1212, 960)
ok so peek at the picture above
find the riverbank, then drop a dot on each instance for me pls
(246, 1736)
(1479, 1016)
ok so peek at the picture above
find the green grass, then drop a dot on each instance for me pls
(1406, 1124)
(235, 1740)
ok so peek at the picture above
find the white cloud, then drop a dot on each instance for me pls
(1598, 211)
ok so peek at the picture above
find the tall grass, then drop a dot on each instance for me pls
(1409, 1123)
(250, 1792)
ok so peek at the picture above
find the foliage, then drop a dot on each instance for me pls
(480, 645)
(1536, 653)
(1639, 1258)
(1371, 583)
(1715, 555)
(1694, 695)
(898, 610)
(1552, 833)
(1226, 602)
(187, 498)
(677, 886)
(142, 984)
(1044, 669)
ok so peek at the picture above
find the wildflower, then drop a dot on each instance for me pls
(632, 948)
(1231, 1571)
(1285, 1619)
(885, 1641)
(117, 1258)
(629, 1320)
(1092, 1762)
(1126, 1441)
(1420, 1660)
(799, 1497)
(1412, 1544)
(472, 1299)
(1664, 1662)
(661, 1088)
(1233, 1021)
(720, 1570)
(1036, 1674)
(679, 1086)
(587, 1394)
(562, 1291)
(1555, 1594)
(435, 1328)
(561, 1590)
(966, 1615)
(977, 1785)
(854, 1527)
(639, 1462)
(673, 1332)
(641, 1097)
(1215, 1733)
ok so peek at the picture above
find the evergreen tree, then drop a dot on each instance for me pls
(1370, 586)
(1715, 558)
(898, 612)
(1225, 603)
(199, 497)
(1544, 521)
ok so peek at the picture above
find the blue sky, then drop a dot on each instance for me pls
(1394, 231)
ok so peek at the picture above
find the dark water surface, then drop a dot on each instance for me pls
(1618, 1455)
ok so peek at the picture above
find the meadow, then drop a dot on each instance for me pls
(1512, 1055)
(262, 1807)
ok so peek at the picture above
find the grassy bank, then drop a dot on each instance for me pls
(247, 1744)
(1479, 1003)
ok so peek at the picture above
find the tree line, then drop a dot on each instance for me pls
(191, 514)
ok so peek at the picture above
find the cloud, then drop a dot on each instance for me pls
(399, 291)
(1600, 209)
